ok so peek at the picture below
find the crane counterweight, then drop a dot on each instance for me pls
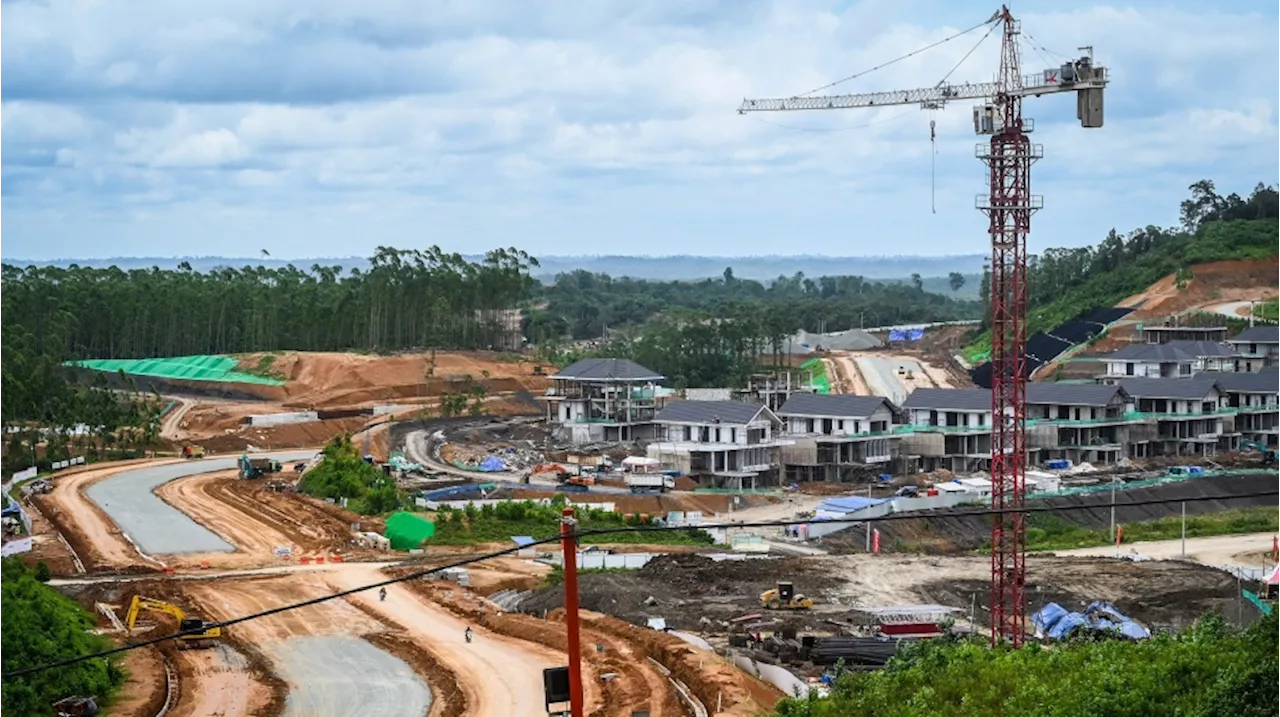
(1008, 204)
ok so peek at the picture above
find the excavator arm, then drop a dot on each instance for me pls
(141, 603)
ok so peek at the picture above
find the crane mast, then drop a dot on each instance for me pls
(1008, 205)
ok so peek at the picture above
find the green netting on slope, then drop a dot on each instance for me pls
(185, 368)
(406, 531)
(821, 384)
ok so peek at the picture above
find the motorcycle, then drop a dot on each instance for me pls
(467, 635)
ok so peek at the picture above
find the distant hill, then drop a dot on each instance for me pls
(665, 268)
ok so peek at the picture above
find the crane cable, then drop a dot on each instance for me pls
(913, 53)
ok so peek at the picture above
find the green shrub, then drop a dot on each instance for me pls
(41, 626)
(344, 474)
(497, 522)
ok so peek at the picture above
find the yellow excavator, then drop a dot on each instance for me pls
(784, 597)
(207, 637)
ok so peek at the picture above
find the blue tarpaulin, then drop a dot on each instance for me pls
(1054, 621)
(897, 335)
(915, 334)
(492, 464)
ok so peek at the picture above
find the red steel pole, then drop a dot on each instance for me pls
(569, 546)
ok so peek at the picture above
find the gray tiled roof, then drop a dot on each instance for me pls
(841, 405)
(1172, 351)
(606, 369)
(1265, 381)
(736, 412)
(1072, 394)
(1193, 388)
(950, 399)
(1258, 335)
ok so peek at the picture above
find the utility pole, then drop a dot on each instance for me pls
(569, 548)
(1184, 529)
(1009, 206)
(1111, 534)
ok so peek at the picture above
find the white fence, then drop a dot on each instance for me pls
(59, 465)
(281, 419)
(14, 547)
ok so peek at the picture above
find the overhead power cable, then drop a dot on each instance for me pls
(616, 531)
(913, 53)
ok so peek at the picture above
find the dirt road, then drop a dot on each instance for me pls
(501, 677)
(316, 649)
(1242, 551)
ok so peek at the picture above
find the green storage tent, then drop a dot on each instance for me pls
(406, 531)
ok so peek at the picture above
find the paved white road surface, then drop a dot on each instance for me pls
(156, 527)
(338, 676)
(1223, 550)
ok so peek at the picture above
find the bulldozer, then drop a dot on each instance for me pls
(192, 451)
(207, 637)
(784, 597)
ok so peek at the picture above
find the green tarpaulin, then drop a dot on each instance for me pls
(185, 368)
(406, 531)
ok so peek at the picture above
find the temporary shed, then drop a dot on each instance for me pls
(525, 543)
(406, 531)
(839, 507)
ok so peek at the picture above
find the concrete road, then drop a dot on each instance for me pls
(1234, 309)
(337, 676)
(156, 527)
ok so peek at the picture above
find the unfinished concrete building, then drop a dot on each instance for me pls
(722, 444)
(1082, 423)
(1254, 398)
(1256, 347)
(950, 429)
(603, 399)
(837, 437)
(1191, 416)
(1169, 360)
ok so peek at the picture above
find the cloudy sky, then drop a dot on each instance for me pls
(328, 127)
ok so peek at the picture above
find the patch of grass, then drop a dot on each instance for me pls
(1269, 310)
(1050, 532)
(497, 523)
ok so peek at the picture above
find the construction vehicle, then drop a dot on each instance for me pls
(1268, 453)
(190, 451)
(75, 707)
(784, 597)
(207, 637)
(257, 467)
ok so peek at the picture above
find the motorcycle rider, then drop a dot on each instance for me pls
(467, 634)
(382, 595)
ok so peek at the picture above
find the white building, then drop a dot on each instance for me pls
(727, 444)
(1169, 360)
(603, 399)
(1256, 347)
(836, 437)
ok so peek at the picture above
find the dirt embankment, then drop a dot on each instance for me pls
(712, 681)
(257, 521)
(1219, 281)
(942, 534)
(635, 685)
(327, 380)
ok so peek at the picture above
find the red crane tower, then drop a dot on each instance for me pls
(1009, 205)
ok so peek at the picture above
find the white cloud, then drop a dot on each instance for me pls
(561, 127)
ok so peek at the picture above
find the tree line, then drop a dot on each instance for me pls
(582, 304)
(405, 298)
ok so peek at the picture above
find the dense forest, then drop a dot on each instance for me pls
(582, 305)
(1065, 283)
(405, 298)
(1209, 670)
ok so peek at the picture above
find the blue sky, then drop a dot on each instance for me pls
(328, 127)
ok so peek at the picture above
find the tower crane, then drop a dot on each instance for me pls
(1008, 205)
